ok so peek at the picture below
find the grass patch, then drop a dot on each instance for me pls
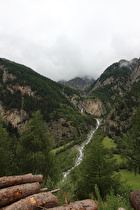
(63, 147)
(118, 158)
(131, 179)
(108, 143)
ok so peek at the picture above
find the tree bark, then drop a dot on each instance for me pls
(11, 194)
(47, 200)
(85, 204)
(134, 199)
(15, 180)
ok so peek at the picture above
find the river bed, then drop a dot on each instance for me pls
(81, 148)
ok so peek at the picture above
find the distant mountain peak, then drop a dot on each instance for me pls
(78, 83)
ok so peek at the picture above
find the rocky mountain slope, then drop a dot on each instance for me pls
(116, 80)
(114, 97)
(24, 91)
(118, 89)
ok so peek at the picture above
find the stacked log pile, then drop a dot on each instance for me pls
(23, 192)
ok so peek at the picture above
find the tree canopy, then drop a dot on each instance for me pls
(96, 168)
(34, 149)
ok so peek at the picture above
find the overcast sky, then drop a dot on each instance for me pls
(62, 39)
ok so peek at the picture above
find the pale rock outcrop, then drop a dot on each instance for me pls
(136, 74)
(93, 107)
(14, 116)
(7, 76)
(24, 90)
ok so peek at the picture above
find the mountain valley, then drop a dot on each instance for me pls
(48, 121)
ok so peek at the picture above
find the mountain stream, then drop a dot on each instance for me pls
(81, 148)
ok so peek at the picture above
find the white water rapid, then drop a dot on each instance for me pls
(80, 149)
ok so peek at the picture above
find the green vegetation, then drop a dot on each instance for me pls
(113, 84)
(96, 178)
(111, 166)
(96, 168)
(123, 112)
(126, 175)
(131, 179)
(118, 159)
(34, 148)
(67, 158)
(47, 94)
(5, 152)
(67, 191)
(62, 148)
(42, 94)
(104, 94)
(117, 71)
(31, 153)
(113, 201)
(108, 143)
(129, 145)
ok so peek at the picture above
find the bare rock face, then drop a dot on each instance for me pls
(85, 204)
(24, 90)
(136, 74)
(14, 116)
(93, 107)
(7, 76)
(134, 199)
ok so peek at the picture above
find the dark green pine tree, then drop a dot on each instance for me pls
(34, 149)
(132, 142)
(97, 168)
(5, 153)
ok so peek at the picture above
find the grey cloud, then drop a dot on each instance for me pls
(64, 39)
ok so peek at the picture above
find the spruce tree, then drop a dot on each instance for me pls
(96, 169)
(34, 150)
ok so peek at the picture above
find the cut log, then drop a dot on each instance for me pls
(22, 179)
(11, 194)
(134, 199)
(47, 200)
(85, 204)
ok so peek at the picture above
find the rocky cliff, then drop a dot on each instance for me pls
(23, 92)
(92, 106)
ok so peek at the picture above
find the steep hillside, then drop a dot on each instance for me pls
(24, 91)
(121, 117)
(78, 83)
(115, 81)
(118, 89)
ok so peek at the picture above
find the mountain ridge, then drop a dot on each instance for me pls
(78, 83)
(24, 92)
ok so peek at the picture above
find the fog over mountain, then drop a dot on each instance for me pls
(66, 39)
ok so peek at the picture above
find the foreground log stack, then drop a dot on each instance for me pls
(23, 192)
